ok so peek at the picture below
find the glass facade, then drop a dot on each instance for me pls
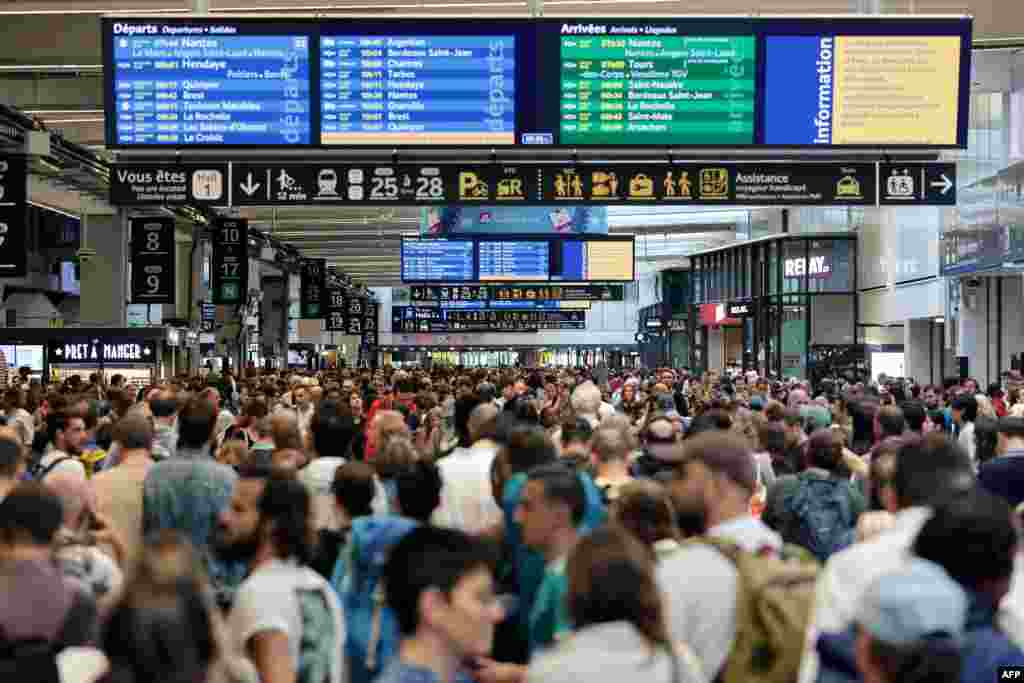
(801, 291)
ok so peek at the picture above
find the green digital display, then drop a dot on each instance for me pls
(657, 90)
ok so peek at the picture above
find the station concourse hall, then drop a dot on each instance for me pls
(511, 341)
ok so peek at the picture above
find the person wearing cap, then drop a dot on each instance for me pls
(1004, 474)
(909, 628)
(712, 491)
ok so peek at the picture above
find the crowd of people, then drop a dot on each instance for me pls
(509, 526)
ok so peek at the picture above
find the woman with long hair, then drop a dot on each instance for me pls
(618, 614)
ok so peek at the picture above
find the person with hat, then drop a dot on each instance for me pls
(1004, 474)
(909, 628)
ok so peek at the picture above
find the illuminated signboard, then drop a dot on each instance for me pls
(635, 88)
(417, 90)
(189, 84)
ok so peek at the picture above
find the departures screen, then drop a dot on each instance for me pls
(497, 83)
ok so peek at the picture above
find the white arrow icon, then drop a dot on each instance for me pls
(249, 187)
(945, 184)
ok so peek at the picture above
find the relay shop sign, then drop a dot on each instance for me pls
(739, 309)
(107, 351)
(13, 253)
(816, 266)
(152, 253)
(141, 184)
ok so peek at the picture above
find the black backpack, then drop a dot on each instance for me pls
(37, 472)
(824, 516)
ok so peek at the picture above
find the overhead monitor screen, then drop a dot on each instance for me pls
(657, 89)
(862, 90)
(418, 90)
(437, 261)
(514, 261)
(208, 84)
(595, 261)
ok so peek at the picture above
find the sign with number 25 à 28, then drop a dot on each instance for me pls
(152, 254)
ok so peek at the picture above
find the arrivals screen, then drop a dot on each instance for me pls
(893, 81)
(188, 85)
(418, 90)
(657, 90)
(519, 259)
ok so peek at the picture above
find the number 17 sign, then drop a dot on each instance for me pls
(230, 262)
(152, 254)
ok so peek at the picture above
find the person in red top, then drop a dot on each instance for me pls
(995, 394)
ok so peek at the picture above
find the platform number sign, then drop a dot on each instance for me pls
(13, 252)
(152, 254)
(230, 261)
(337, 310)
(312, 288)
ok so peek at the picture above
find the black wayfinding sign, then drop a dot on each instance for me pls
(94, 351)
(337, 310)
(370, 325)
(918, 184)
(13, 254)
(355, 318)
(312, 288)
(152, 253)
(739, 309)
(753, 183)
(426, 293)
(230, 261)
(208, 317)
(142, 184)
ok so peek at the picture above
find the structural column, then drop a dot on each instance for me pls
(104, 271)
(917, 359)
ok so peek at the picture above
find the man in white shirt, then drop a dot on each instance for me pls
(716, 480)
(927, 472)
(285, 617)
(467, 499)
(965, 412)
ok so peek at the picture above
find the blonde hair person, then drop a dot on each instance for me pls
(985, 407)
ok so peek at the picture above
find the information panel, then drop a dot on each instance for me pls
(514, 261)
(209, 84)
(660, 89)
(406, 319)
(437, 261)
(862, 90)
(517, 293)
(417, 90)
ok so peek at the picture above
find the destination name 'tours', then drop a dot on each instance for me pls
(148, 177)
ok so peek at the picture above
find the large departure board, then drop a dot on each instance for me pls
(418, 90)
(185, 85)
(663, 89)
(514, 260)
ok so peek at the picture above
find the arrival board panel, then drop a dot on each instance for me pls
(187, 85)
(666, 90)
(418, 90)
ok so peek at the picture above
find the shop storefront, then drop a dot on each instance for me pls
(134, 353)
(784, 305)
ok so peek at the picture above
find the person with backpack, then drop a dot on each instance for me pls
(818, 508)
(712, 581)
(440, 589)
(285, 616)
(65, 436)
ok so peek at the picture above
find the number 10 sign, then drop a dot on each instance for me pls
(230, 261)
(152, 253)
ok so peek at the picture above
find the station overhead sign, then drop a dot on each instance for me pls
(836, 82)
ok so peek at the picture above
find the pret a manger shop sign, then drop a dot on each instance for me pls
(102, 351)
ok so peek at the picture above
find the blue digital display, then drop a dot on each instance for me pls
(194, 86)
(513, 261)
(418, 90)
(437, 261)
(574, 266)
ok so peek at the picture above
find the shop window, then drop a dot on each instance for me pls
(773, 267)
(794, 337)
(794, 266)
(832, 319)
(830, 266)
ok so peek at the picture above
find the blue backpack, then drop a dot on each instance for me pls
(824, 516)
(371, 629)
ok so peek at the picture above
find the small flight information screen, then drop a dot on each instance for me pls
(206, 85)
(513, 261)
(660, 89)
(417, 90)
(437, 261)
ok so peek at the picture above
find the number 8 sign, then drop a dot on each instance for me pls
(152, 260)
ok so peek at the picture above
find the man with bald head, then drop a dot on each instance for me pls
(467, 500)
